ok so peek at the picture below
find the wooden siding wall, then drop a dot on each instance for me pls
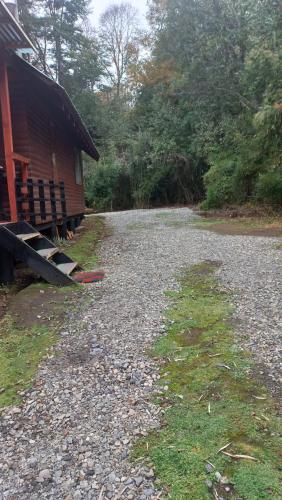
(2, 155)
(41, 131)
(50, 139)
(4, 200)
(19, 118)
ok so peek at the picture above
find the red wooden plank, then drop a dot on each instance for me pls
(8, 137)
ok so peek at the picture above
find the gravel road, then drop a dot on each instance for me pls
(71, 437)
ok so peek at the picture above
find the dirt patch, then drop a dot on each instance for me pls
(40, 304)
(244, 228)
(244, 211)
(190, 337)
(204, 268)
(246, 220)
(23, 278)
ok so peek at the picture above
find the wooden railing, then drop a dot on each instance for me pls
(4, 201)
(7, 198)
(40, 200)
(37, 200)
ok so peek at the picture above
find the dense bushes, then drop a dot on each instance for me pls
(250, 169)
(114, 187)
(269, 188)
(108, 188)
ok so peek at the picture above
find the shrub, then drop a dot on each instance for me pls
(269, 187)
(108, 187)
(219, 183)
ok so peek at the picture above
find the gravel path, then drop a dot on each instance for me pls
(71, 437)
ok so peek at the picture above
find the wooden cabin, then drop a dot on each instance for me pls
(42, 138)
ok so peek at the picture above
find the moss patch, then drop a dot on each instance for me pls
(178, 223)
(136, 226)
(211, 401)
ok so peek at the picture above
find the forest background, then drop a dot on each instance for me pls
(187, 110)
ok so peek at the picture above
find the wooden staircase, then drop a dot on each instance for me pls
(27, 245)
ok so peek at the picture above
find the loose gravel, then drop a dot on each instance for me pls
(71, 437)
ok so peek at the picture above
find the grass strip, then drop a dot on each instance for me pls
(83, 249)
(26, 338)
(34, 317)
(211, 402)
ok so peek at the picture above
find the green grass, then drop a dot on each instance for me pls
(21, 350)
(135, 226)
(210, 402)
(83, 250)
(177, 223)
(165, 215)
(24, 341)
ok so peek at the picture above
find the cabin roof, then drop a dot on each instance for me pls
(62, 100)
(11, 33)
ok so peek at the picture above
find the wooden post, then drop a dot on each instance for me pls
(63, 199)
(2, 215)
(53, 201)
(19, 198)
(31, 204)
(42, 203)
(72, 225)
(64, 230)
(8, 137)
(6, 267)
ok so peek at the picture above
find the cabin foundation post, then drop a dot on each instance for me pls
(72, 225)
(6, 267)
(8, 138)
(64, 230)
(54, 232)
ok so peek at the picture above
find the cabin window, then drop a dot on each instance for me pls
(78, 167)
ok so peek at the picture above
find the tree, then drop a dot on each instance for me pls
(119, 41)
(202, 101)
(56, 27)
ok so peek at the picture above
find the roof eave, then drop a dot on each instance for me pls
(86, 140)
(13, 36)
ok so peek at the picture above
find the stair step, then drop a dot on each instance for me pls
(47, 253)
(25, 243)
(67, 267)
(28, 236)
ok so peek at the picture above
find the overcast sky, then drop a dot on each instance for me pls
(98, 7)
